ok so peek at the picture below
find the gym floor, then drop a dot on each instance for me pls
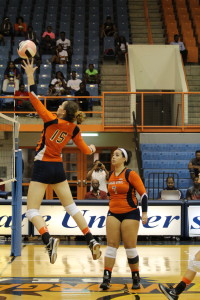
(76, 276)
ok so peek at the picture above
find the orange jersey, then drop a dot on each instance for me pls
(122, 192)
(56, 134)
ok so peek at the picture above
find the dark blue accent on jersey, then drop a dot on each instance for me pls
(129, 194)
(55, 121)
(75, 132)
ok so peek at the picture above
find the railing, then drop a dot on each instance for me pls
(155, 112)
(137, 147)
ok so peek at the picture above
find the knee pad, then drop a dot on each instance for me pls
(132, 256)
(72, 209)
(111, 252)
(194, 265)
(32, 213)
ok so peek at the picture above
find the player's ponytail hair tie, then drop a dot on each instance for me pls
(80, 116)
(125, 153)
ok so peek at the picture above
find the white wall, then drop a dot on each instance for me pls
(170, 138)
(157, 68)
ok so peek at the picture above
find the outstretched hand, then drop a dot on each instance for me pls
(28, 67)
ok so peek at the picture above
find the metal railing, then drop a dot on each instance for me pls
(155, 111)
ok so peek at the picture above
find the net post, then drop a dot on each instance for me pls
(16, 236)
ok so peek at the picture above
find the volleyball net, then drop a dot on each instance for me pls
(11, 175)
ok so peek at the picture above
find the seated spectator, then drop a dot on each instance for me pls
(65, 43)
(108, 28)
(83, 103)
(47, 45)
(194, 165)
(193, 193)
(22, 104)
(74, 83)
(91, 75)
(20, 27)
(31, 35)
(183, 51)
(121, 48)
(6, 28)
(171, 187)
(59, 84)
(11, 75)
(49, 33)
(61, 56)
(99, 172)
(96, 193)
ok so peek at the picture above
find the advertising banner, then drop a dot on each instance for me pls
(162, 220)
(194, 220)
(6, 220)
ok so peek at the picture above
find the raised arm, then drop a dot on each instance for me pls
(37, 104)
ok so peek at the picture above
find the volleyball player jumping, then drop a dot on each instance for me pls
(123, 217)
(48, 166)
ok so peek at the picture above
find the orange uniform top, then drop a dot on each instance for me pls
(56, 134)
(122, 192)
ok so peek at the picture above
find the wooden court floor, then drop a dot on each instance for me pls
(76, 276)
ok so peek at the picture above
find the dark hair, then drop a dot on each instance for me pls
(129, 153)
(169, 178)
(71, 108)
(18, 18)
(197, 151)
(60, 73)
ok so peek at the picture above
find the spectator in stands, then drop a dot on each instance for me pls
(49, 33)
(194, 165)
(99, 172)
(20, 27)
(91, 75)
(11, 75)
(65, 43)
(96, 193)
(60, 56)
(74, 83)
(193, 193)
(2, 40)
(171, 186)
(47, 45)
(31, 35)
(22, 104)
(83, 103)
(121, 48)
(59, 84)
(108, 28)
(183, 51)
(6, 28)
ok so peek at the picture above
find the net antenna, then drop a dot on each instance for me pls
(11, 175)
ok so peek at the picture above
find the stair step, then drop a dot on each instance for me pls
(117, 109)
(116, 82)
(117, 103)
(111, 88)
(117, 121)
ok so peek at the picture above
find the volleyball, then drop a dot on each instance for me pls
(27, 49)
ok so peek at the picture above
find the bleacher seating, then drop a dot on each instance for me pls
(168, 159)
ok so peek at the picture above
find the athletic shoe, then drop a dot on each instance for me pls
(51, 247)
(169, 293)
(95, 249)
(105, 285)
(136, 283)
